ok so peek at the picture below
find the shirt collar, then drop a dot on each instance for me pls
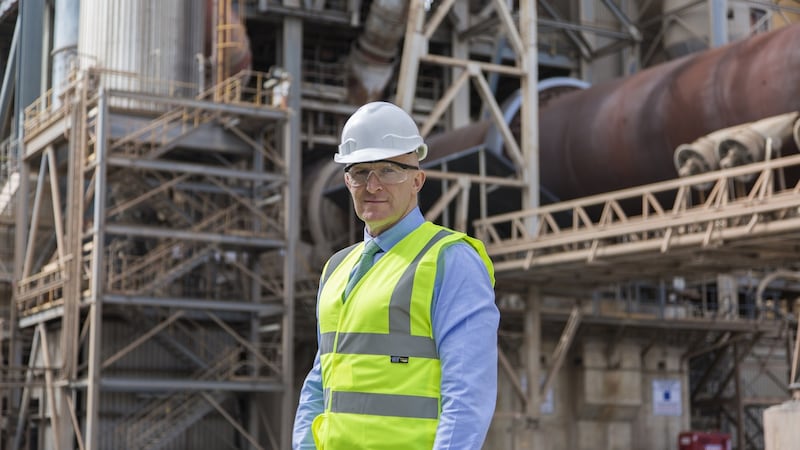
(398, 231)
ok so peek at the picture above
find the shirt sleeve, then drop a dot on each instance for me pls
(465, 321)
(310, 406)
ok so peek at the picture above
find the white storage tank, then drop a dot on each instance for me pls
(148, 42)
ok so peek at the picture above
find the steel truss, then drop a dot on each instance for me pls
(671, 225)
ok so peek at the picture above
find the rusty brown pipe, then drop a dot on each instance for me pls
(623, 133)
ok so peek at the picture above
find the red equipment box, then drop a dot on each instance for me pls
(703, 440)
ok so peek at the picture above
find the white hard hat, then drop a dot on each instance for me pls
(379, 130)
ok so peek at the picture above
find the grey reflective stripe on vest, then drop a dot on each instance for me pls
(326, 341)
(385, 405)
(400, 304)
(326, 396)
(379, 344)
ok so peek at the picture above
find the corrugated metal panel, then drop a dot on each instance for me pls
(763, 381)
(156, 41)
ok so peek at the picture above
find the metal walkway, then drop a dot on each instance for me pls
(748, 218)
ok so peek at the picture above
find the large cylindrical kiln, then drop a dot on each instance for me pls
(623, 133)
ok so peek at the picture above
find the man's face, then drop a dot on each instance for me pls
(380, 205)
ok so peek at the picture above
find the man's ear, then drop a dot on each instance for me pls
(419, 180)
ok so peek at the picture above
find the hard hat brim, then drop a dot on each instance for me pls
(377, 154)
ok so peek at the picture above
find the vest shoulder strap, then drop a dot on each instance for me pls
(334, 262)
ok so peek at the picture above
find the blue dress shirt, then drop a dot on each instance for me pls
(465, 320)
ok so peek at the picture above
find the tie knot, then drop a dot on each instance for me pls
(370, 249)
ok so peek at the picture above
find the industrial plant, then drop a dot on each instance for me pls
(168, 198)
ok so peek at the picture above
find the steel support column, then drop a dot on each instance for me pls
(529, 430)
(97, 281)
(292, 41)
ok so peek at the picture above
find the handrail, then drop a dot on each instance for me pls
(30, 288)
(574, 231)
(246, 87)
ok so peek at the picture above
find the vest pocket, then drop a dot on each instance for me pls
(318, 430)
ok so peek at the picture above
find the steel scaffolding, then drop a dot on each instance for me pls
(158, 224)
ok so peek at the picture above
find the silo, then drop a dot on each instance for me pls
(151, 46)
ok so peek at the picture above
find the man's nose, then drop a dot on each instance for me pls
(373, 182)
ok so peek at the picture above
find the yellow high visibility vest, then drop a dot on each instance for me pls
(381, 373)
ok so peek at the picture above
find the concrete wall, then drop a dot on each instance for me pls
(609, 381)
(654, 428)
(602, 398)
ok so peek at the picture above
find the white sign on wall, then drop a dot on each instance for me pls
(667, 398)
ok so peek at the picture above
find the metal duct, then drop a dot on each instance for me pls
(623, 133)
(371, 61)
(701, 155)
(735, 146)
(749, 143)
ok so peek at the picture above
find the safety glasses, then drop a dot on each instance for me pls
(388, 172)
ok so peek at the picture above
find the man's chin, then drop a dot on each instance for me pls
(373, 218)
(374, 212)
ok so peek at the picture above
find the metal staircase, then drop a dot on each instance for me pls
(160, 421)
(159, 136)
(158, 268)
(128, 193)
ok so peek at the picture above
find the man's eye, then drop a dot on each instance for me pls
(388, 170)
(360, 172)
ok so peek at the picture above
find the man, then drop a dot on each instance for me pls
(407, 353)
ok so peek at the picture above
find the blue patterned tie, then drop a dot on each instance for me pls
(366, 261)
